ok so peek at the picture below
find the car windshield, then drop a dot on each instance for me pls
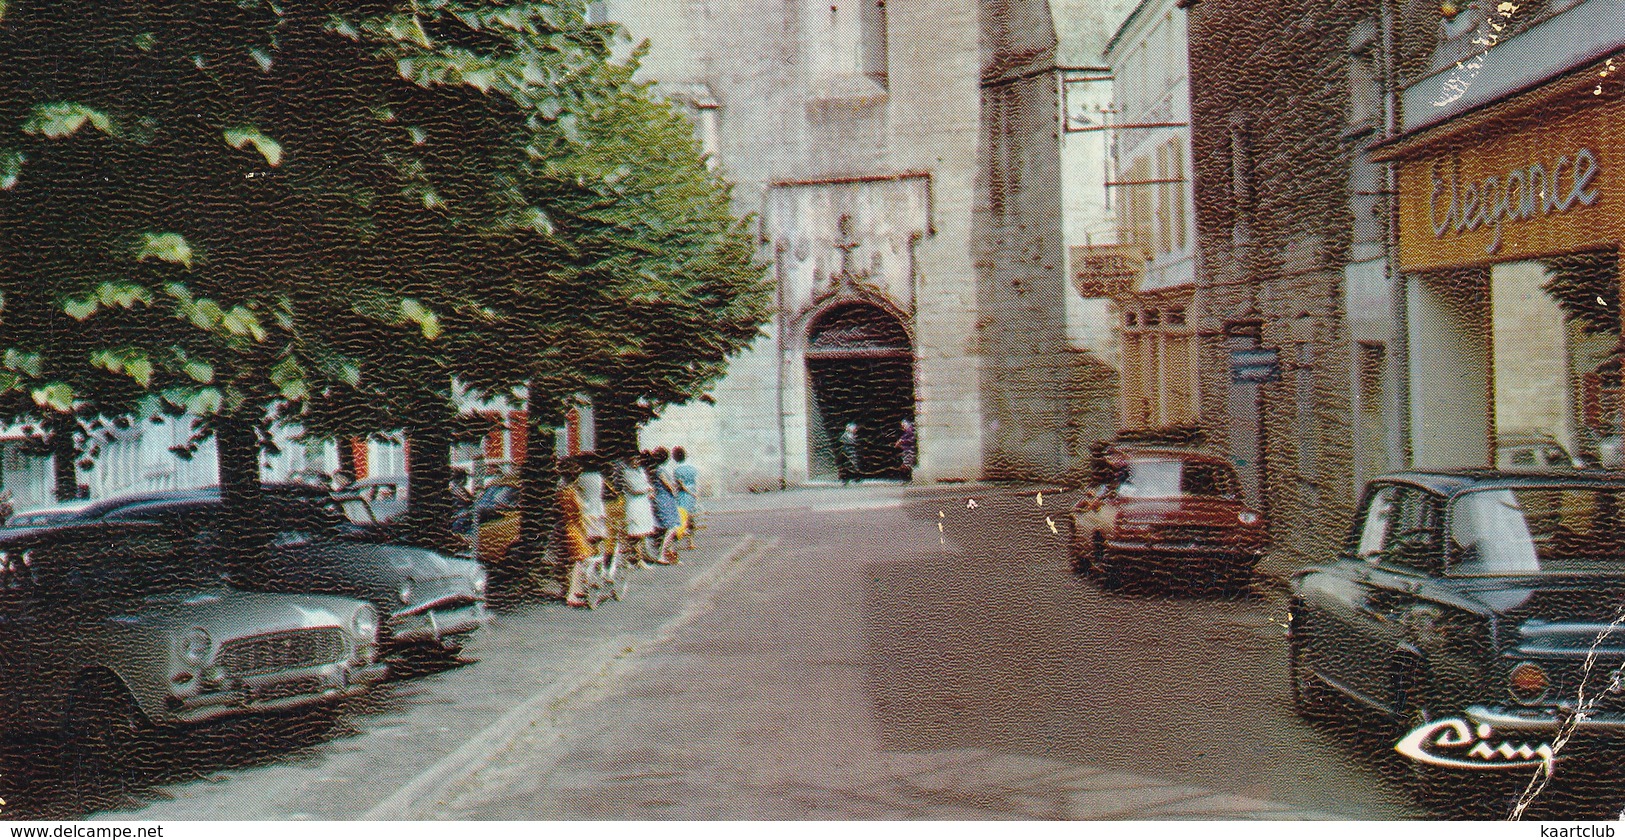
(495, 496)
(1521, 530)
(1164, 479)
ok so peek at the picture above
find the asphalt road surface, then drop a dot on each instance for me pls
(865, 652)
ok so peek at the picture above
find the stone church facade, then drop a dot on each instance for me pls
(902, 163)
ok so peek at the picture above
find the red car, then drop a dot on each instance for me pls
(1174, 514)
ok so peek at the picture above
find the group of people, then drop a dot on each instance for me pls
(848, 460)
(654, 506)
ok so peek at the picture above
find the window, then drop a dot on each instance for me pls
(873, 48)
(1402, 527)
(598, 12)
(1159, 372)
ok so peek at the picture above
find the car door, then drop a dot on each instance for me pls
(1332, 613)
(1412, 554)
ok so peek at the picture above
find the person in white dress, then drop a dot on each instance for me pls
(640, 510)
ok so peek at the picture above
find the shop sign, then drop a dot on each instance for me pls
(1106, 270)
(1522, 193)
(1255, 366)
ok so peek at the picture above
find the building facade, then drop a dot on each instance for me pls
(903, 164)
(1508, 231)
(1154, 199)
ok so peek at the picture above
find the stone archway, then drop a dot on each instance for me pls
(860, 369)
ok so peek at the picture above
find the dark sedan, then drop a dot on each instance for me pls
(1474, 608)
(1165, 511)
(427, 601)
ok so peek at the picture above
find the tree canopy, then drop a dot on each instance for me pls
(332, 210)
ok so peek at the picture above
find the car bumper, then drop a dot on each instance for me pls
(436, 626)
(1192, 551)
(1544, 720)
(282, 690)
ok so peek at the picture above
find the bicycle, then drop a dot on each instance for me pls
(610, 577)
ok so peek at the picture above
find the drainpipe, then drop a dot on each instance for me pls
(778, 368)
(1399, 287)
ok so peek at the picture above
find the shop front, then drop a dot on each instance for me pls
(1509, 223)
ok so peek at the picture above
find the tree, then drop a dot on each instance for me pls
(644, 283)
(225, 198)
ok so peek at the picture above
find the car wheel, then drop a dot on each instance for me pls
(102, 728)
(1311, 698)
(1108, 568)
(1448, 793)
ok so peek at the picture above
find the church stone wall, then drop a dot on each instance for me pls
(811, 130)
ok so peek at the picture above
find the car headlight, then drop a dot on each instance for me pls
(195, 646)
(365, 623)
(1247, 517)
(406, 591)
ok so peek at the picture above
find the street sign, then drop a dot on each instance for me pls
(1254, 366)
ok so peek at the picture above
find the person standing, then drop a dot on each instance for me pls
(640, 514)
(906, 447)
(688, 493)
(667, 515)
(848, 468)
(570, 533)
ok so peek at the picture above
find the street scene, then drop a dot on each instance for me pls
(773, 409)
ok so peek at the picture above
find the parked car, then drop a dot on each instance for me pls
(1171, 510)
(375, 500)
(108, 630)
(1533, 452)
(497, 508)
(427, 601)
(44, 517)
(1474, 595)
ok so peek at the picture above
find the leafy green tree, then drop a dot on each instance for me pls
(235, 203)
(644, 282)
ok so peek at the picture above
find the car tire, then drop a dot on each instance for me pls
(102, 729)
(1107, 568)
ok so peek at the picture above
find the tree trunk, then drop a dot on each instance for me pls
(248, 539)
(539, 477)
(430, 506)
(59, 429)
(617, 426)
(346, 451)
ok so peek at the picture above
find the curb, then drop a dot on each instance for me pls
(423, 790)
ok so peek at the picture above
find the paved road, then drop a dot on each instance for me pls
(869, 652)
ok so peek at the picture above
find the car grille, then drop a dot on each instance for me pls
(281, 651)
(1190, 533)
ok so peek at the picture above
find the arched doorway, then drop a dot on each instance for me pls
(860, 365)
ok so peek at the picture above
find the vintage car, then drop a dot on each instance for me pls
(48, 517)
(1481, 596)
(133, 625)
(428, 602)
(1533, 452)
(1165, 513)
(376, 500)
(497, 509)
